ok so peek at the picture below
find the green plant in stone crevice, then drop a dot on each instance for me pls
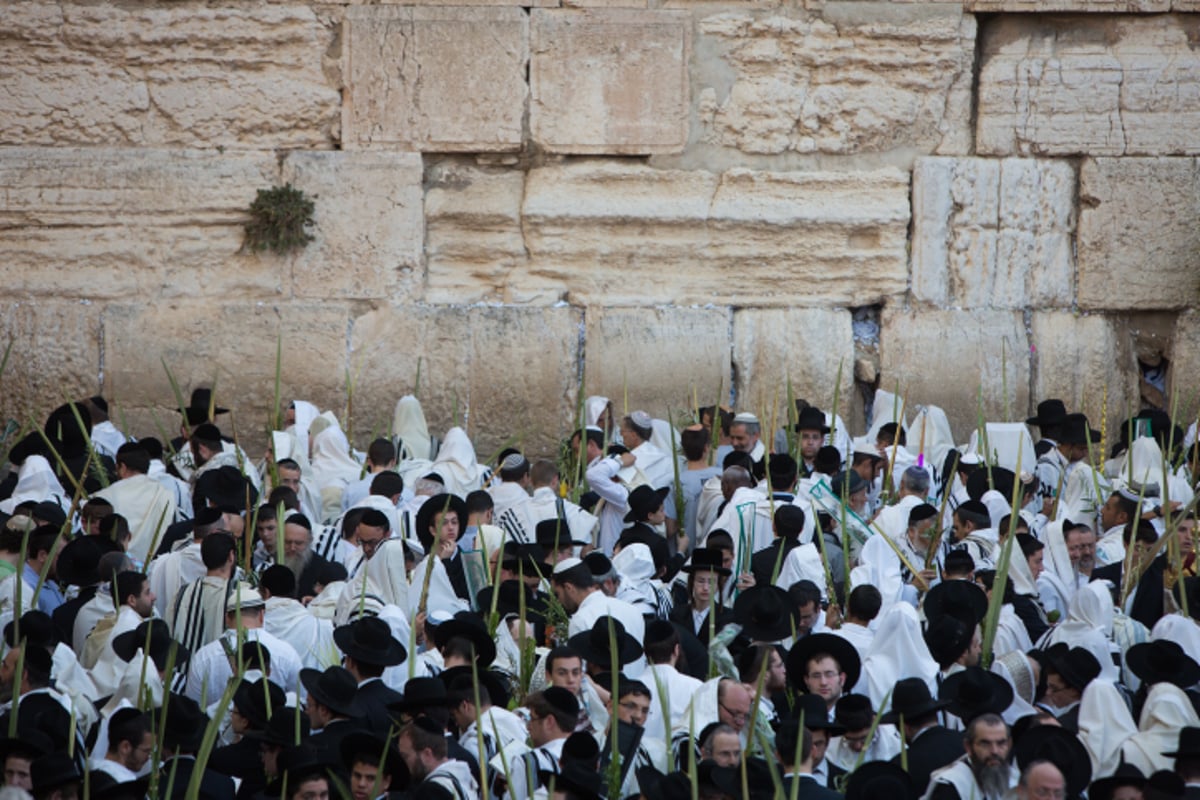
(280, 218)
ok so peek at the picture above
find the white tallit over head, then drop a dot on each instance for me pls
(1167, 711)
(385, 571)
(1089, 624)
(1055, 558)
(803, 563)
(305, 412)
(886, 408)
(1141, 469)
(1105, 724)
(457, 464)
(36, 482)
(594, 408)
(332, 464)
(938, 438)
(1006, 442)
(898, 651)
(410, 429)
(662, 434)
(1181, 630)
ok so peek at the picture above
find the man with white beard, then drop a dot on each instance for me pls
(984, 772)
(298, 554)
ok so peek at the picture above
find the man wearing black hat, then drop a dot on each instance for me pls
(794, 750)
(181, 739)
(331, 706)
(552, 716)
(1187, 761)
(811, 430)
(1079, 499)
(368, 647)
(253, 703)
(1068, 671)
(1050, 415)
(930, 746)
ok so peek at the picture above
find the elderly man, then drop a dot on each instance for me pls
(636, 430)
(298, 554)
(983, 772)
(744, 436)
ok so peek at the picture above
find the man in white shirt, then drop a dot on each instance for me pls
(130, 743)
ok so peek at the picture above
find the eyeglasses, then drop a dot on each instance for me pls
(1048, 793)
(735, 714)
(829, 675)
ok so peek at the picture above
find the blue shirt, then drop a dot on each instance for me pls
(49, 598)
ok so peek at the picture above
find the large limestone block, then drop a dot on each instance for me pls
(1116, 85)
(55, 357)
(435, 79)
(231, 345)
(805, 346)
(865, 78)
(501, 372)
(624, 234)
(943, 358)
(114, 222)
(993, 232)
(1185, 363)
(1068, 6)
(368, 224)
(609, 81)
(1139, 233)
(241, 76)
(1077, 356)
(663, 357)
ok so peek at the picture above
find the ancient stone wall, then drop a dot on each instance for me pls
(690, 198)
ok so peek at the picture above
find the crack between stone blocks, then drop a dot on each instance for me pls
(101, 343)
(1027, 316)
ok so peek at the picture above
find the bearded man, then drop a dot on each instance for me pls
(984, 772)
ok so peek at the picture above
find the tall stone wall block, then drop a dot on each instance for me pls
(368, 223)
(1101, 85)
(1139, 233)
(238, 76)
(867, 78)
(55, 357)
(620, 234)
(117, 222)
(610, 81)
(993, 232)
(435, 79)
(1068, 6)
(920, 348)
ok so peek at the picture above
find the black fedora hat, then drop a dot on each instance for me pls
(1162, 661)
(576, 781)
(287, 726)
(816, 714)
(1189, 744)
(765, 613)
(201, 408)
(853, 712)
(707, 558)
(877, 779)
(125, 645)
(185, 724)
(421, 693)
(1126, 775)
(911, 698)
(255, 700)
(823, 643)
(36, 628)
(29, 743)
(51, 771)
(1049, 413)
(998, 478)
(435, 505)
(1074, 429)
(526, 559)
(467, 625)
(1075, 665)
(461, 680)
(974, 691)
(297, 764)
(1164, 785)
(78, 560)
(335, 688)
(370, 641)
(759, 783)
(554, 534)
(644, 501)
(964, 600)
(227, 489)
(947, 638)
(1061, 748)
(594, 644)
(811, 419)
(102, 786)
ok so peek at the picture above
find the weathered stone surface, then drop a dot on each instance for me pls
(1139, 233)
(368, 225)
(55, 357)
(245, 76)
(113, 222)
(1185, 362)
(435, 79)
(993, 233)
(629, 235)
(1077, 356)
(507, 371)
(1094, 85)
(766, 343)
(1068, 6)
(660, 355)
(609, 81)
(867, 78)
(922, 349)
(232, 345)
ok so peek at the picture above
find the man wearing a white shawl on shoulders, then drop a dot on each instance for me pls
(898, 651)
(333, 467)
(520, 521)
(457, 464)
(146, 504)
(743, 516)
(439, 523)
(512, 490)
(914, 489)
(136, 605)
(184, 565)
(411, 430)
(984, 772)
(286, 618)
(36, 482)
(636, 432)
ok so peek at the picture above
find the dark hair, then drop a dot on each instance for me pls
(127, 725)
(562, 652)
(381, 452)
(287, 463)
(787, 737)
(266, 513)
(804, 592)
(864, 602)
(828, 460)
(387, 484)
(889, 430)
(1126, 506)
(539, 705)
(285, 495)
(424, 736)
(279, 580)
(215, 550)
(1140, 531)
(543, 473)
(958, 562)
(459, 646)
(133, 456)
(593, 436)
(127, 584)
(41, 540)
(693, 442)
(659, 650)
(1028, 544)
(479, 501)
(374, 518)
(717, 414)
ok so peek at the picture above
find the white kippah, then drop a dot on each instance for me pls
(512, 461)
(641, 419)
(566, 564)
(745, 416)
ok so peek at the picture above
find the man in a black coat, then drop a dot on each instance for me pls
(1147, 607)
(766, 563)
(792, 740)
(930, 745)
(368, 648)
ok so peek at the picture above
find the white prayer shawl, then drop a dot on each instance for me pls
(1080, 501)
(108, 669)
(893, 520)
(100, 606)
(670, 687)
(147, 505)
(457, 464)
(1105, 725)
(803, 563)
(1142, 466)
(73, 683)
(1057, 581)
(1005, 443)
(1019, 707)
(701, 711)
(597, 605)
(742, 515)
(172, 571)
(310, 636)
(858, 635)
(635, 565)
(197, 613)
(8, 596)
(210, 670)
(886, 408)
(1166, 712)
(411, 430)
(456, 777)
(332, 464)
(524, 768)
(881, 571)
(506, 495)
(36, 482)
(385, 571)
(901, 459)
(939, 440)
(1089, 624)
(441, 592)
(655, 465)
(600, 474)
(305, 413)
(180, 490)
(1179, 629)
(495, 720)
(959, 775)
(1110, 547)
(521, 521)
(898, 652)
(594, 408)
(107, 439)
(1011, 633)
(231, 455)
(997, 505)
(708, 503)
(884, 747)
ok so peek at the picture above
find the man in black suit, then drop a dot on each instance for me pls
(821, 729)
(766, 563)
(1147, 607)
(368, 648)
(930, 746)
(181, 740)
(332, 710)
(1187, 761)
(787, 739)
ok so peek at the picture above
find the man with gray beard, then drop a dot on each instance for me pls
(984, 773)
(298, 555)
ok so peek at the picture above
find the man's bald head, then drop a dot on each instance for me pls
(734, 478)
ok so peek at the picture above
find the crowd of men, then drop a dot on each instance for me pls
(717, 611)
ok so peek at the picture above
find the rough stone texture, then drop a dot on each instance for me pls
(765, 347)
(660, 355)
(628, 235)
(609, 81)
(55, 357)
(1185, 361)
(368, 223)
(1069, 6)
(113, 222)
(921, 349)
(244, 76)
(435, 79)
(1094, 85)
(993, 233)
(1139, 233)
(508, 371)
(231, 346)
(870, 77)
(1077, 355)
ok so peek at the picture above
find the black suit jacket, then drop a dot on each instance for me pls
(64, 616)
(373, 699)
(933, 749)
(809, 789)
(762, 563)
(682, 615)
(1148, 601)
(1192, 793)
(237, 760)
(213, 785)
